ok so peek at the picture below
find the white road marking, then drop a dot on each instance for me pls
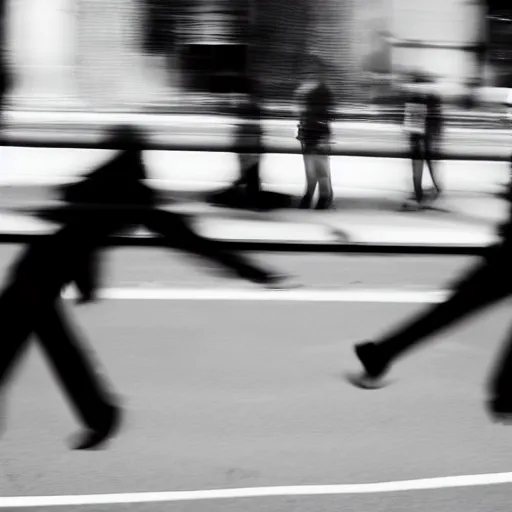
(449, 482)
(261, 295)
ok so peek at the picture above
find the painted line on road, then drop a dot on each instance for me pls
(297, 295)
(257, 492)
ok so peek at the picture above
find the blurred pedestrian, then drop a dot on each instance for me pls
(315, 105)
(245, 191)
(110, 199)
(249, 146)
(103, 204)
(486, 284)
(423, 124)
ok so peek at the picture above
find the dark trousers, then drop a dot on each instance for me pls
(318, 172)
(23, 315)
(177, 234)
(423, 149)
(249, 180)
(488, 283)
(43, 316)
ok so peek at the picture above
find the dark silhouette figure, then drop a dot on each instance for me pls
(423, 122)
(104, 203)
(316, 112)
(110, 199)
(249, 145)
(488, 283)
(246, 191)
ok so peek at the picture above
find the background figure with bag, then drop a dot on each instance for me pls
(315, 108)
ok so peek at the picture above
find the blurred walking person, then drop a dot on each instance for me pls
(315, 105)
(423, 124)
(249, 146)
(107, 201)
(486, 284)
(245, 191)
(111, 199)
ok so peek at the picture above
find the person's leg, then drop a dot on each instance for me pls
(311, 178)
(499, 387)
(177, 234)
(253, 180)
(431, 157)
(75, 369)
(323, 173)
(243, 162)
(417, 166)
(16, 318)
(483, 286)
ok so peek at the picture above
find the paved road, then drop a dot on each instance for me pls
(244, 394)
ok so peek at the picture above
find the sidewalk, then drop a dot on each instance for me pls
(365, 228)
(207, 132)
(368, 191)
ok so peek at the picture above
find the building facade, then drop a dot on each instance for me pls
(134, 54)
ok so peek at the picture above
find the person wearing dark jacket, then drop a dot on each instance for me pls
(245, 191)
(423, 124)
(111, 199)
(488, 283)
(249, 146)
(31, 300)
(315, 104)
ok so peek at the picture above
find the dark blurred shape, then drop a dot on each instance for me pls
(423, 122)
(494, 44)
(106, 201)
(109, 199)
(176, 233)
(316, 105)
(487, 284)
(114, 188)
(246, 192)
(161, 21)
(216, 68)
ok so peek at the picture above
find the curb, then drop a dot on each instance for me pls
(322, 238)
(285, 247)
(157, 142)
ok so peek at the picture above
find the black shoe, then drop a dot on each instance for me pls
(500, 409)
(374, 365)
(98, 437)
(282, 282)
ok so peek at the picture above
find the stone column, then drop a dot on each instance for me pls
(40, 46)
(114, 70)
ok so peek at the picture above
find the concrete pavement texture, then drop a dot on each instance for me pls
(368, 192)
(244, 394)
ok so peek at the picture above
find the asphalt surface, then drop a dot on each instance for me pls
(244, 394)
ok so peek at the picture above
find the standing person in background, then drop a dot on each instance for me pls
(423, 123)
(315, 105)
